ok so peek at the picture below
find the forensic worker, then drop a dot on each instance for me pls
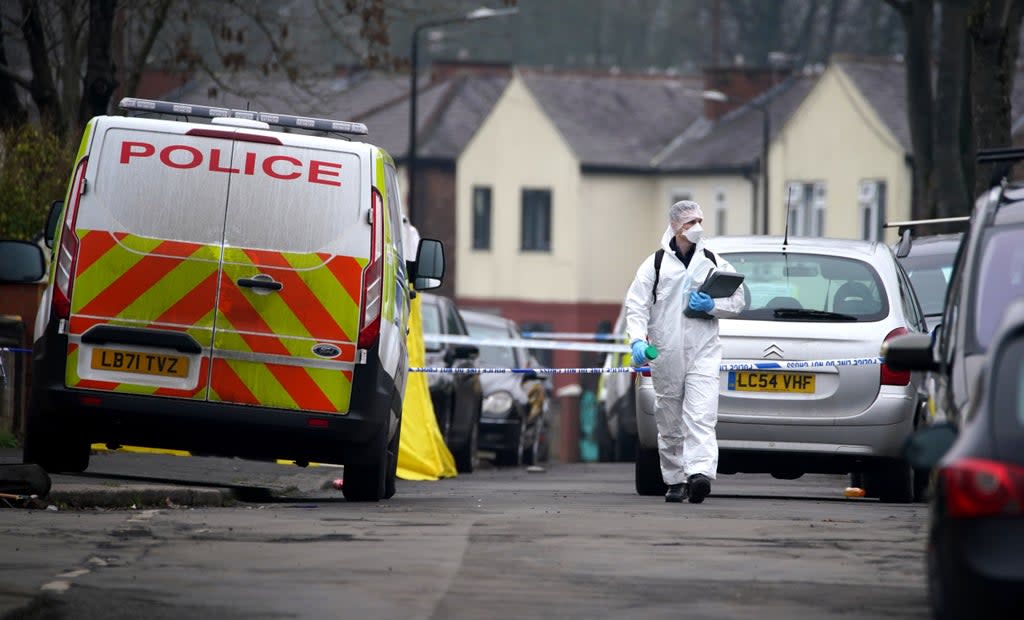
(685, 371)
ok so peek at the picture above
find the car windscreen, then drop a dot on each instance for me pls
(929, 275)
(794, 286)
(1006, 404)
(431, 316)
(999, 279)
(491, 355)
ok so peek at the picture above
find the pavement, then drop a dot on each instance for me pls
(125, 479)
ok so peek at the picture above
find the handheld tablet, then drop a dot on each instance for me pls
(721, 283)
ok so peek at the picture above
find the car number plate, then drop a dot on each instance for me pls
(140, 363)
(754, 381)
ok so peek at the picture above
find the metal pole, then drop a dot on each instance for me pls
(765, 143)
(411, 154)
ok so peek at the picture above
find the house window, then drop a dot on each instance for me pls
(536, 223)
(679, 193)
(720, 208)
(871, 201)
(481, 218)
(805, 204)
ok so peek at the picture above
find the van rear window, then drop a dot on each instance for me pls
(251, 195)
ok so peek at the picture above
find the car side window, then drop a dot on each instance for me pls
(908, 300)
(454, 321)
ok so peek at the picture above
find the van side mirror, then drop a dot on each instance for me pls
(52, 219)
(910, 352)
(21, 261)
(429, 271)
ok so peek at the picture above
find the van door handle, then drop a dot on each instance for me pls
(260, 281)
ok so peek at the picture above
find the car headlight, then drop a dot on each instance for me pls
(498, 404)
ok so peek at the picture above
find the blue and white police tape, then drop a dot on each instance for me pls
(523, 343)
(14, 350)
(800, 364)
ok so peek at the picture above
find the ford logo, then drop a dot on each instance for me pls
(326, 350)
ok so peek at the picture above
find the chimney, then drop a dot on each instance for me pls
(739, 84)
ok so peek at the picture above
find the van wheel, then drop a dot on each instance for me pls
(467, 455)
(891, 483)
(366, 482)
(392, 471)
(648, 472)
(54, 450)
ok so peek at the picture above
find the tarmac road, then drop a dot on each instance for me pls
(572, 542)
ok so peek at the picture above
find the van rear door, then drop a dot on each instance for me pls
(149, 225)
(296, 241)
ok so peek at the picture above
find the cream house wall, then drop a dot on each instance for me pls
(736, 190)
(615, 222)
(836, 137)
(518, 147)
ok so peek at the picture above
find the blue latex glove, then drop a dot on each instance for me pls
(639, 355)
(701, 302)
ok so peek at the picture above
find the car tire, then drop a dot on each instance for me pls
(54, 449)
(891, 484)
(648, 472)
(467, 456)
(513, 456)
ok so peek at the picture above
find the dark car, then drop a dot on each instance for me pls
(976, 517)
(929, 265)
(514, 416)
(457, 397)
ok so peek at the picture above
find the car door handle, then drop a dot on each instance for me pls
(260, 281)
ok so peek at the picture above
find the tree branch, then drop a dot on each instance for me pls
(22, 81)
(901, 6)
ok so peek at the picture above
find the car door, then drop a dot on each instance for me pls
(296, 241)
(468, 394)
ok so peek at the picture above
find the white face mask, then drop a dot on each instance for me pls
(694, 233)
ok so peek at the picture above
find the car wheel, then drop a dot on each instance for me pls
(892, 483)
(531, 454)
(952, 597)
(467, 456)
(512, 456)
(648, 472)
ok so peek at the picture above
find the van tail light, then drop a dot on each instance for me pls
(369, 313)
(888, 375)
(67, 252)
(983, 488)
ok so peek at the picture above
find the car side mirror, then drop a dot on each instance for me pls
(429, 269)
(903, 247)
(52, 219)
(21, 261)
(926, 447)
(466, 351)
(909, 352)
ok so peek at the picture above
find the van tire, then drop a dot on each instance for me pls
(54, 450)
(367, 481)
(392, 473)
(648, 472)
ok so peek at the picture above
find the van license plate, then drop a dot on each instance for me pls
(141, 363)
(754, 381)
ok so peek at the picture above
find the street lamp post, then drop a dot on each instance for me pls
(766, 132)
(481, 13)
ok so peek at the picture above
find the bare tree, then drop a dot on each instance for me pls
(99, 82)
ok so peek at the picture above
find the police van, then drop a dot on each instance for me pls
(227, 288)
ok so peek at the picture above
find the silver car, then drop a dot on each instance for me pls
(809, 300)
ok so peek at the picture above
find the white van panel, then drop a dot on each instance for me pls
(295, 200)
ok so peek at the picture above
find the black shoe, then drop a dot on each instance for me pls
(676, 492)
(700, 487)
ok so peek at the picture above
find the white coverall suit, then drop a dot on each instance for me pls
(685, 373)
